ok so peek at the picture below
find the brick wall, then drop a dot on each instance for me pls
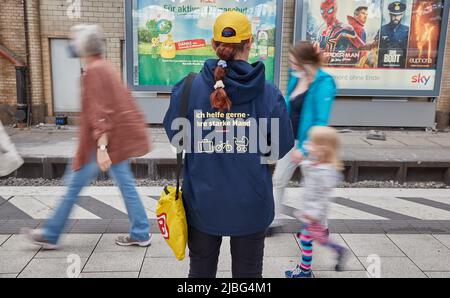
(288, 37)
(56, 23)
(12, 36)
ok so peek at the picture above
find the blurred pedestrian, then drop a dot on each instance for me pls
(112, 130)
(10, 159)
(227, 190)
(321, 173)
(309, 99)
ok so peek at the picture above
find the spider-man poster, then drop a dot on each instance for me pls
(346, 31)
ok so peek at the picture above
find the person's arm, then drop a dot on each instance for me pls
(103, 160)
(323, 103)
(99, 115)
(284, 141)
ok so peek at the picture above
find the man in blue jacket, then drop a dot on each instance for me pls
(227, 189)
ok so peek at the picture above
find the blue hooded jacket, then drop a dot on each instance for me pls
(230, 194)
(317, 104)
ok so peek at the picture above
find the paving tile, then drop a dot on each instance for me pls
(94, 226)
(324, 259)
(345, 274)
(337, 226)
(19, 243)
(115, 261)
(420, 245)
(281, 245)
(14, 261)
(437, 274)
(3, 238)
(107, 243)
(160, 248)
(118, 226)
(427, 227)
(224, 274)
(70, 223)
(363, 227)
(53, 268)
(14, 226)
(444, 239)
(394, 267)
(159, 268)
(364, 245)
(81, 245)
(225, 255)
(8, 276)
(274, 267)
(397, 227)
(109, 275)
(424, 250)
(445, 224)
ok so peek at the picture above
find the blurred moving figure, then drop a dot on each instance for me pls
(309, 99)
(10, 160)
(112, 130)
(321, 173)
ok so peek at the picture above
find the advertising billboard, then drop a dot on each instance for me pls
(168, 39)
(378, 47)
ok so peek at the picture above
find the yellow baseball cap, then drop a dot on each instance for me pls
(235, 20)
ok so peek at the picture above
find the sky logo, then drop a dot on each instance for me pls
(420, 79)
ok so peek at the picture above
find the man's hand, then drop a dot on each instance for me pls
(103, 160)
(297, 156)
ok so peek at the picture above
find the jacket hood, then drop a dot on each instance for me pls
(243, 81)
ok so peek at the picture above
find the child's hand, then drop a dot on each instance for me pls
(297, 156)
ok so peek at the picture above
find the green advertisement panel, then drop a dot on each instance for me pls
(171, 38)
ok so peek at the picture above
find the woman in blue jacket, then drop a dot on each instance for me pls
(227, 189)
(309, 99)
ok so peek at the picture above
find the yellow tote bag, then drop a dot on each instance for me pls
(172, 221)
(170, 211)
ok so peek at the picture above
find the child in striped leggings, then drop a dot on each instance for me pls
(321, 173)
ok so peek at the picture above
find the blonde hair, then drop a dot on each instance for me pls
(327, 139)
(88, 40)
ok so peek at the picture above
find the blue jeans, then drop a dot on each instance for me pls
(76, 181)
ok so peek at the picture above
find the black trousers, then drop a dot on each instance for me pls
(247, 253)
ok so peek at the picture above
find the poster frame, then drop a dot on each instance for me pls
(129, 40)
(300, 33)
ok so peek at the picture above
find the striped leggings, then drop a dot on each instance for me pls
(307, 236)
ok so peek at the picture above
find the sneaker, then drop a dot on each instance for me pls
(127, 241)
(341, 259)
(37, 237)
(298, 273)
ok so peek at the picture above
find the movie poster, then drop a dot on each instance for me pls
(346, 31)
(173, 37)
(394, 33)
(425, 30)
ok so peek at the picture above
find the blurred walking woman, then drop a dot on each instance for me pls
(112, 130)
(227, 191)
(309, 99)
